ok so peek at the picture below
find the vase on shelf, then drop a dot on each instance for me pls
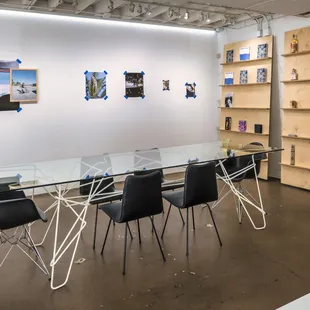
(294, 44)
(294, 75)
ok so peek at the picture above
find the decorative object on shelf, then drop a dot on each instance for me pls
(294, 104)
(258, 128)
(293, 155)
(190, 90)
(225, 143)
(243, 77)
(24, 85)
(134, 85)
(245, 53)
(242, 126)
(5, 104)
(166, 85)
(95, 85)
(294, 44)
(262, 51)
(229, 78)
(228, 123)
(261, 75)
(230, 56)
(229, 100)
(294, 75)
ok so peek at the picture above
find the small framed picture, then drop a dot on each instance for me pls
(24, 85)
(166, 85)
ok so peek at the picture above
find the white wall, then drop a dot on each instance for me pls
(64, 125)
(278, 28)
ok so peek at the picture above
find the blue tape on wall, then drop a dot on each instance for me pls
(106, 97)
(126, 97)
(186, 84)
(142, 72)
(18, 60)
(106, 175)
(194, 84)
(19, 110)
(125, 73)
(86, 98)
(186, 96)
(87, 177)
(86, 72)
(105, 72)
(19, 175)
(195, 96)
(143, 96)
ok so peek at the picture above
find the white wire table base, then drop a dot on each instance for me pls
(240, 194)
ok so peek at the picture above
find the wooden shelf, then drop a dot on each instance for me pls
(296, 166)
(296, 81)
(245, 61)
(295, 109)
(245, 108)
(246, 132)
(296, 54)
(298, 138)
(249, 84)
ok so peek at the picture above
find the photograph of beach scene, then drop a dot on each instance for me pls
(96, 85)
(24, 86)
(5, 104)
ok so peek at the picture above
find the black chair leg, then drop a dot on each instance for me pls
(193, 216)
(153, 218)
(113, 223)
(125, 249)
(155, 232)
(181, 217)
(138, 222)
(218, 235)
(187, 231)
(106, 236)
(129, 231)
(95, 230)
(162, 234)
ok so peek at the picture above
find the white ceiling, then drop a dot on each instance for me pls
(202, 14)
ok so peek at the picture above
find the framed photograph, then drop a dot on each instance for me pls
(229, 100)
(166, 85)
(96, 85)
(5, 104)
(24, 85)
(190, 90)
(134, 84)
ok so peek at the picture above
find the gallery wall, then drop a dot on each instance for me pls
(278, 28)
(63, 124)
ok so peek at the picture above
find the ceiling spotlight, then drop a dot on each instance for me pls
(140, 9)
(148, 10)
(132, 7)
(208, 20)
(201, 17)
(186, 15)
(170, 13)
(111, 5)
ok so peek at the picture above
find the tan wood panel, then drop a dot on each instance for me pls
(251, 116)
(263, 170)
(295, 177)
(297, 92)
(237, 139)
(252, 72)
(303, 36)
(248, 96)
(253, 44)
(301, 64)
(296, 123)
(302, 148)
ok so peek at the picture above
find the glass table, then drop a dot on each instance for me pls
(58, 177)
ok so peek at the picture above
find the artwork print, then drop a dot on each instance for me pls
(262, 51)
(5, 104)
(243, 77)
(166, 85)
(96, 85)
(230, 56)
(134, 83)
(190, 90)
(261, 75)
(24, 85)
(242, 126)
(229, 100)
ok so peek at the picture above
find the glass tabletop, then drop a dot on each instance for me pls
(71, 170)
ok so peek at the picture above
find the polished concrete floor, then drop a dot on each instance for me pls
(253, 270)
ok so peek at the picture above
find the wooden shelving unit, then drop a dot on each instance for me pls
(296, 120)
(251, 101)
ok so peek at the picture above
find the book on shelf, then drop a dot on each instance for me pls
(262, 51)
(243, 77)
(261, 75)
(229, 97)
(227, 123)
(230, 56)
(229, 78)
(242, 126)
(245, 53)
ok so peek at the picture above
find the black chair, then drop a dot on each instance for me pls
(17, 214)
(200, 188)
(104, 185)
(141, 198)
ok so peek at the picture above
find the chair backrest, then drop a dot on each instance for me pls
(145, 172)
(141, 197)
(17, 213)
(200, 184)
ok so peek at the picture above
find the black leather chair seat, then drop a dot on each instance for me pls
(175, 198)
(171, 186)
(11, 195)
(105, 198)
(113, 210)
